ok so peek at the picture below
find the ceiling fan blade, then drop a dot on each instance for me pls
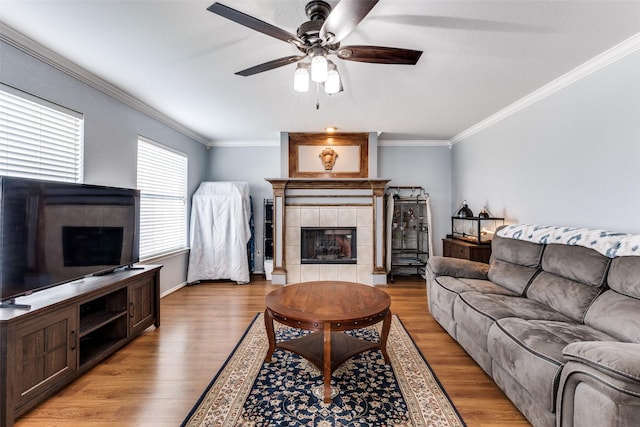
(379, 54)
(344, 18)
(253, 23)
(270, 65)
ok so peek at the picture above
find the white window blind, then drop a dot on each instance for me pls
(39, 139)
(162, 181)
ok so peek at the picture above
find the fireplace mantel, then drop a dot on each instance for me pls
(348, 183)
(350, 193)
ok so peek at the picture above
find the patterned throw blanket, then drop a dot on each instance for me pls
(608, 243)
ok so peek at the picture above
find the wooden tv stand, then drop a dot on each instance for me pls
(69, 329)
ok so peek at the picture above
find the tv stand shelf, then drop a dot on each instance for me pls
(97, 320)
(67, 330)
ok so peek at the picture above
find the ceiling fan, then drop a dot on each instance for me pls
(318, 38)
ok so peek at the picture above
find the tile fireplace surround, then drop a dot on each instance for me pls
(328, 203)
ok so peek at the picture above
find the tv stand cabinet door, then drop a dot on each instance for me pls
(45, 356)
(143, 304)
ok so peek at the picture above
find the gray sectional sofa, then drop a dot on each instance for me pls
(554, 322)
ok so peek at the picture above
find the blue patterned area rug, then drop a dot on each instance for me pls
(248, 392)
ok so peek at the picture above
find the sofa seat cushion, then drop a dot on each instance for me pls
(531, 352)
(445, 289)
(476, 312)
(459, 286)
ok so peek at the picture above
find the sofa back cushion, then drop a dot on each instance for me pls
(571, 278)
(514, 262)
(624, 276)
(616, 314)
(617, 311)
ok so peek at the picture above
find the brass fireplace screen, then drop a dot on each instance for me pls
(323, 245)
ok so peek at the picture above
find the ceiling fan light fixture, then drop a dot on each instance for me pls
(319, 64)
(301, 78)
(332, 84)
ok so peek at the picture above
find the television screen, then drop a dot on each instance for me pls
(52, 232)
(87, 246)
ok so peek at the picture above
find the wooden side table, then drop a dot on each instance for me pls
(456, 248)
(327, 308)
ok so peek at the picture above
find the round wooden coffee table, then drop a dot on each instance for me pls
(327, 308)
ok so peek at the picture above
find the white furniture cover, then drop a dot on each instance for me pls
(220, 214)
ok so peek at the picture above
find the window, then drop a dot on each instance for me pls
(39, 139)
(162, 181)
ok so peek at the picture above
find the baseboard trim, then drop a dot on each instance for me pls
(172, 290)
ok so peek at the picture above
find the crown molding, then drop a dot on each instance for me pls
(257, 143)
(619, 51)
(413, 143)
(49, 57)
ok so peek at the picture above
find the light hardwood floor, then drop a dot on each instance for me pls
(156, 379)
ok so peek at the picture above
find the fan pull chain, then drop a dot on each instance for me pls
(317, 96)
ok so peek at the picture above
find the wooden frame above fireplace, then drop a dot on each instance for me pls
(352, 155)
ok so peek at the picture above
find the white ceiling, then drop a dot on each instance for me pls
(479, 57)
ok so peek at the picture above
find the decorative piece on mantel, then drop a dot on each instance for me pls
(304, 148)
(328, 158)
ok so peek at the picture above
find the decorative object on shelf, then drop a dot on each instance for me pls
(476, 230)
(484, 213)
(464, 210)
(328, 158)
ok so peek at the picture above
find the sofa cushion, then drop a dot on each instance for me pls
(572, 277)
(514, 263)
(531, 352)
(617, 315)
(577, 263)
(566, 296)
(463, 268)
(459, 286)
(515, 251)
(624, 276)
(478, 312)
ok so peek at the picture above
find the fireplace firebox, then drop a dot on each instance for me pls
(328, 245)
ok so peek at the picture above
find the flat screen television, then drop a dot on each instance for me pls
(53, 232)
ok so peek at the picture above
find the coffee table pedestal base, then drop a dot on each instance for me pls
(327, 349)
(327, 308)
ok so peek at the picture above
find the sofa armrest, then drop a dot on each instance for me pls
(456, 267)
(618, 359)
(600, 384)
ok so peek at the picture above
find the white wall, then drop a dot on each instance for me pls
(572, 158)
(111, 130)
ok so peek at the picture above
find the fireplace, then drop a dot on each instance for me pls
(344, 206)
(328, 245)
